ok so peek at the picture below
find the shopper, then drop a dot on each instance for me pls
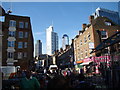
(29, 82)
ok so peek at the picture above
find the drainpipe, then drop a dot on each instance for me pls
(1, 56)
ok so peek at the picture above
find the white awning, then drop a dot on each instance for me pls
(85, 63)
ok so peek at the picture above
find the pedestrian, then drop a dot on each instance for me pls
(29, 82)
(58, 82)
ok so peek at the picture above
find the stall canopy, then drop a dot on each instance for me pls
(86, 63)
(108, 42)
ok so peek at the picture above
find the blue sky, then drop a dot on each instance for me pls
(67, 17)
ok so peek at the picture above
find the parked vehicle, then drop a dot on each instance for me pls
(53, 68)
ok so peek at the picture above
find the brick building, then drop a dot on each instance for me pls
(90, 37)
(17, 41)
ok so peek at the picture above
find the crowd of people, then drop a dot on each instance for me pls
(64, 79)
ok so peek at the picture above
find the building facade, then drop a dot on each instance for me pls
(17, 41)
(51, 41)
(65, 57)
(90, 37)
(65, 41)
(38, 48)
(112, 15)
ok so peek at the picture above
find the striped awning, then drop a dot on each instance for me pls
(85, 63)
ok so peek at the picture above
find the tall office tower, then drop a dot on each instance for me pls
(65, 41)
(51, 40)
(38, 48)
(112, 15)
(17, 41)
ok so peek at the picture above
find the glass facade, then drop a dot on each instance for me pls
(38, 48)
(112, 15)
(51, 40)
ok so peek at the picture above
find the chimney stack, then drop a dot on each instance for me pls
(91, 18)
(80, 32)
(84, 26)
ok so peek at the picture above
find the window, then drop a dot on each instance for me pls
(10, 55)
(108, 23)
(26, 34)
(25, 44)
(11, 43)
(118, 35)
(26, 24)
(85, 52)
(20, 34)
(21, 25)
(12, 33)
(20, 44)
(85, 40)
(105, 50)
(12, 23)
(19, 55)
(2, 18)
(80, 42)
(118, 45)
(103, 34)
(25, 54)
(88, 36)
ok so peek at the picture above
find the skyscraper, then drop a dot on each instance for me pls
(51, 40)
(65, 41)
(112, 15)
(38, 48)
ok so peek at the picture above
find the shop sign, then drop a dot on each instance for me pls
(91, 45)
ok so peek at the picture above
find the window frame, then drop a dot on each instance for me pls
(26, 35)
(103, 36)
(26, 24)
(25, 44)
(10, 55)
(12, 23)
(20, 55)
(20, 34)
(20, 45)
(21, 24)
(11, 33)
(11, 43)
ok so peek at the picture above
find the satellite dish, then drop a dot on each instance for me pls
(9, 11)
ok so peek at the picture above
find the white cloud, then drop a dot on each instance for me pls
(39, 33)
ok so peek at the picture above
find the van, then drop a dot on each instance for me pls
(53, 68)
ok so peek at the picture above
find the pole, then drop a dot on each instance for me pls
(0, 55)
(0, 60)
(112, 68)
(47, 62)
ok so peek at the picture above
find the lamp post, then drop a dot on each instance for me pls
(112, 67)
(0, 56)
